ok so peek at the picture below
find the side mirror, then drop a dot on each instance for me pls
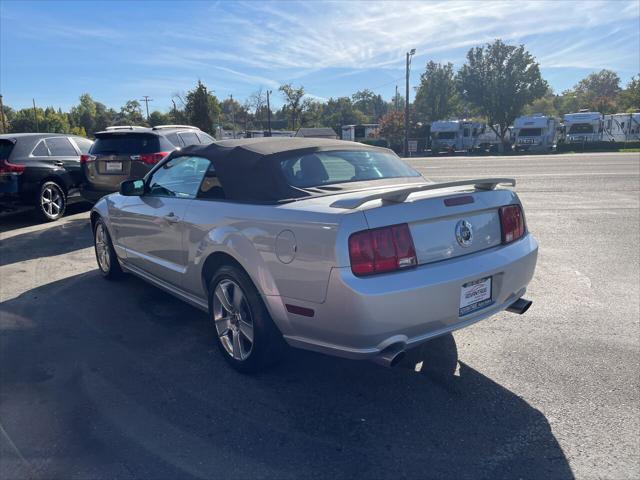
(132, 188)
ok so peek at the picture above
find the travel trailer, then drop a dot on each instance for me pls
(454, 135)
(583, 127)
(622, 127)
(489, 140)
(535, 133)
(356, 133)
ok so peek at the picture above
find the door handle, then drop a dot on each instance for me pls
(58, 163)
(171, 218)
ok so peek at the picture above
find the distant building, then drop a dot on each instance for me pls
(356, 133)
(265, 133)
(321, 132)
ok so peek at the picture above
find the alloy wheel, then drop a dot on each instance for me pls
(232, 318)
(51, 201)
(102, 248)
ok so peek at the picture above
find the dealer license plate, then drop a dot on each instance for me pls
(114, 166)
(475, 295)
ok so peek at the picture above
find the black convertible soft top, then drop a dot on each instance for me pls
(249, 169)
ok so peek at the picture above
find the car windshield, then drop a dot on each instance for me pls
(581, 128)
(324, 168)
(530, 132)
(126, 144)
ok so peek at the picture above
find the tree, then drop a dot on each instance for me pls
(257, 102)
(436, 96)
(159, 118)
(341, 111)
(599, 90)
(392, 129)
(312, 112)
(293, 102)
(84, 114)
(629, 98)
(500, 80)
(202, 108)
(372, 105)
(131, 114)
(547, 105)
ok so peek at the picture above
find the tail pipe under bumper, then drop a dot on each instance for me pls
(519, 306)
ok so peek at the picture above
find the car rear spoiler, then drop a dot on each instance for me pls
(400, 195)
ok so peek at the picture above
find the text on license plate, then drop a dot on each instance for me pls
(475, 295)
(114, 166)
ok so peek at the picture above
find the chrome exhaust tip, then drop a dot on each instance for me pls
(390, 356)
(519, 306)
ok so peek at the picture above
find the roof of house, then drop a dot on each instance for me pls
(320, 132)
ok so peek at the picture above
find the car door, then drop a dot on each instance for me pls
(64, 154)
(150, 226)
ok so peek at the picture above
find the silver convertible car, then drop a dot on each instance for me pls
(331, 246)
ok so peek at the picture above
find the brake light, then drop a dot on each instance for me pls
(86, 158)
(6, 167)
(152, 158)
(512, 223)
(382, 250)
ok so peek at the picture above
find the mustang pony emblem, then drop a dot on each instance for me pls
(464, 233)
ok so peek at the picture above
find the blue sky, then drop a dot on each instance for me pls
(118, 50)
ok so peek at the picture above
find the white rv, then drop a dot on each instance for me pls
(454, 135)
(535, 132)
(489, 140)
(583, 127)
(622, 127)
(355, 133)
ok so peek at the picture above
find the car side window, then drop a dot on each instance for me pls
(41, 150)
(206, 139)
(211, 188)
(180, 177)
(83, 144)
(61, 147)
(173, 138)
(189, 138)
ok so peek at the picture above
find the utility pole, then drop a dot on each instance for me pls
(146, 100)
(35, 114)
(396, 98)
(233, 117)
(175, 111)
(268, 112)
(406, 104)
(4, 123)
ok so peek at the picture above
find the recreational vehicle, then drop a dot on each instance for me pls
(489, 140)
(622, 127)
(355, 133)
(535, 133)
(454, 135)
(583, 127)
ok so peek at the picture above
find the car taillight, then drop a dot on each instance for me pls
(152, 158)
(6, 167)
(382, 250)
(86, 158)
(512, 223)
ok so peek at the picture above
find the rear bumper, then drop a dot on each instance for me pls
(92, 194)
(363, 316)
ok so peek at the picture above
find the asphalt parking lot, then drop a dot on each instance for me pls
(120, 380)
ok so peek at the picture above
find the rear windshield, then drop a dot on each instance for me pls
(129, 144)
(5, 149)
(445, 135)
(324, 168)
(530, 132)
(581, 128)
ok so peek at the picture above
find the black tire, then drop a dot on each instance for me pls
(51, 202)
(267, 345)
(108, 263)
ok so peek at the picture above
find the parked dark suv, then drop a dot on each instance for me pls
(128, 153)
(40, 170)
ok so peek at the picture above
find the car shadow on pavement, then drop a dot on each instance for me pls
(56, 239)
(119, 379)
(27, 218)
